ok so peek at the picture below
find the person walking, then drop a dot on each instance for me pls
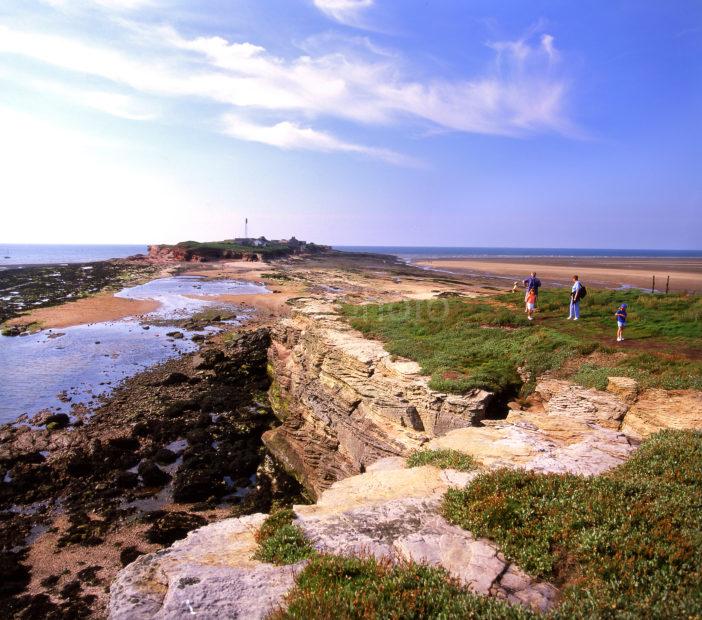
(531, 304)
(575, 295)
(531, 283)
(620, 314)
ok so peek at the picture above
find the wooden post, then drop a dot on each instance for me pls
(667, 285)
(653, 285)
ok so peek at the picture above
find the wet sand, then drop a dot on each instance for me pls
(685, 274)
(96, 309)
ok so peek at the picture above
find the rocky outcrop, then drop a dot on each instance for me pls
(177, 253)
(350, 412)
(566, 429)
(655, 410)
(345, 402)
(392, 514)
(389, 512)
(210, 574)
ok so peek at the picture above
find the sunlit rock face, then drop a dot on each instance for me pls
(345, 402)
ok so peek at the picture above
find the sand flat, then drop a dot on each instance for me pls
(685, 273)
(95, 309)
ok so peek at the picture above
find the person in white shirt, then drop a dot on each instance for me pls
(575, 300)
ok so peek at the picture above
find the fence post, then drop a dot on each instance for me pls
(667, 285)
(653, 285)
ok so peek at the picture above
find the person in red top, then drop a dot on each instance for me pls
(531, 303)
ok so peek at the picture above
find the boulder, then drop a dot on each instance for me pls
(627, 389)
(152, 475)
(58, 420)
(167, 527)
(174, 378)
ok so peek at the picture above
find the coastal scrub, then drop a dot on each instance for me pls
(281, 542)
(349, 587)
(443, 459)
(627, 543)
(488, 344)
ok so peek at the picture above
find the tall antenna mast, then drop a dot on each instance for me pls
(246, 228)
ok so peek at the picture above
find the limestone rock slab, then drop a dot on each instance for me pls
(411, 529)
(209, 574)
(655, 410)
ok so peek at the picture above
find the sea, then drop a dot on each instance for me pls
(15, 254)
(24, 254)
(411, 252)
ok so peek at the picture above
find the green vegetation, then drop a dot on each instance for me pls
(225, 249)
(624, 544)
(276, 276)
(488, 343)
(444, 459)
(281, 542)
(339, 587)
(216, 249)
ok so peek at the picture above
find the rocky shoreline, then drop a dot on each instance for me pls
(172, 449)
(39, 286)
(296, 406)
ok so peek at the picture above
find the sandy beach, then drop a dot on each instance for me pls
(95, 309)
(685, 273)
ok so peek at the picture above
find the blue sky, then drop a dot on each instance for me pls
(432, 122)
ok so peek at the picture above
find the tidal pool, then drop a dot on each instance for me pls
(172, 293)
(75, 365)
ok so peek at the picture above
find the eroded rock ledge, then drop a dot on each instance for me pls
(345, 402)
(350, 414)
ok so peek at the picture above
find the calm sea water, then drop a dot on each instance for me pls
(410, 252)
(24, 254)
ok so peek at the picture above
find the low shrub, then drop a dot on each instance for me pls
(624, 544)
(444, 459)
(344, 588)
(281, 542)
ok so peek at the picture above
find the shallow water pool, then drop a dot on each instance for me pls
(59, 368)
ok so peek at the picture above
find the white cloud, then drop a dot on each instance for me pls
(119, 5)
(116, 104)
(521, 94)
(288, 135)
(345, 11)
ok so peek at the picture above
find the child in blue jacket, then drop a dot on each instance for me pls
(620, 314)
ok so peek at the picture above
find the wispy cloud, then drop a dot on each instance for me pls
(520, 94)
(116, 104)
(119, 5)
(347, 12)
(288, 135)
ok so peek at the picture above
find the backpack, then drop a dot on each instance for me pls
(583, 292)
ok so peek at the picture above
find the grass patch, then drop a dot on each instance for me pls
(344, 588)
(281, 542)
(444, 459)
(488, 343)
(276, 276)
(624, 544)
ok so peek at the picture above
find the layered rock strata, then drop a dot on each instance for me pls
(345, 402)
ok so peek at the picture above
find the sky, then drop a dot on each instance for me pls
(352, 122)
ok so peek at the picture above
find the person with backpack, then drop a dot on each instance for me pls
(576, 294)
(620, 315)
